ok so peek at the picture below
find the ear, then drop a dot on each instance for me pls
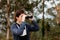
(16, 17)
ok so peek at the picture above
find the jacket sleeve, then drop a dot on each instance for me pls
(35, 26)
(17, 31)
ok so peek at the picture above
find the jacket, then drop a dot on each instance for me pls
(16, 32)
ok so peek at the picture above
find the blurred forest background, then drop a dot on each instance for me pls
(45, 12)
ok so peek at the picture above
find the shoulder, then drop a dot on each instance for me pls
(13, 25)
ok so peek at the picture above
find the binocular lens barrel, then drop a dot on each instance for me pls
(27, 17)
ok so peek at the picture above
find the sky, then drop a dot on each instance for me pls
(48, 5)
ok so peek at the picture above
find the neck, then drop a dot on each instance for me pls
(18, 22)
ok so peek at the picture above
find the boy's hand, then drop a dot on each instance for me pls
(31, 19)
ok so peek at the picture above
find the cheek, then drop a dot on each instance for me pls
(20, 18)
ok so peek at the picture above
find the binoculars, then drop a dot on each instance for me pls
(29, 16)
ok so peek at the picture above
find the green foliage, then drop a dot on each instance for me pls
(54, 29)
(49, 11)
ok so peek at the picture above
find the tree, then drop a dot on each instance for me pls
(8, 20)
(36, 7)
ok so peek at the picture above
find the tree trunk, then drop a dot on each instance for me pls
(8, 20)
(43, 29)
(15, 8)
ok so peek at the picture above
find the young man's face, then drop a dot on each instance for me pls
(21, 18)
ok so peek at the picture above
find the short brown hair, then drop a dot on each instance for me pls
(18, 13)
